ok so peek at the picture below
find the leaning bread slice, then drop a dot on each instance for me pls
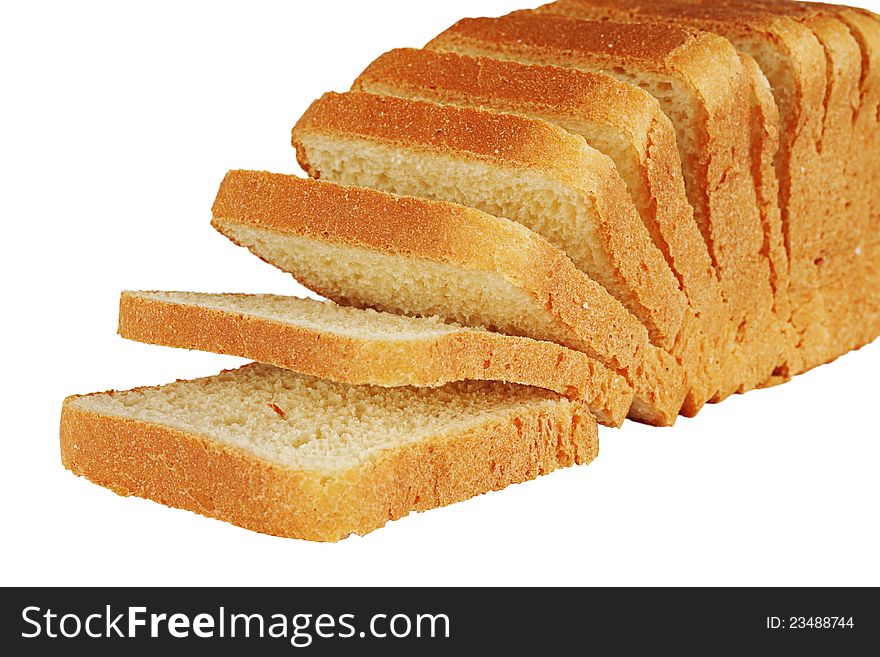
(362, 346)
(518, 168)
(426, 258)
(295, 456)
(620, 120)
(700, 83)
(764, 152)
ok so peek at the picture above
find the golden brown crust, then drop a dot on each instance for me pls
(189, 471)
(558, 93)
(649, 46)
(424, 361)
(592, 105)
(721, 188)
(511, 140)
(587, 317)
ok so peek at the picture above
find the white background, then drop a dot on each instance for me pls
(119, 122)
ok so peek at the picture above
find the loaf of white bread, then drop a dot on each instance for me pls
(593, 210)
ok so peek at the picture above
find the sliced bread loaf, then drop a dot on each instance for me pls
(362, 346)
(426, 258)
(813, 61)
(620, 120)
(701, 85)
(850, 38)
(852, 103)
(518, 168)
(291, 455)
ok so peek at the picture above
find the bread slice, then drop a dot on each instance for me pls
(763, 155)
(412, 256)
(620, 120)
(290, 455)
(356, 346)
(701, 85)
(812, 61)
(519, 168)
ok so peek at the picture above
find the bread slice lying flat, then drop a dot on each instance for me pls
(413, 256)
(700, 83)
(518, 168)
(291, 455)
(618, 119)
(356, 346)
